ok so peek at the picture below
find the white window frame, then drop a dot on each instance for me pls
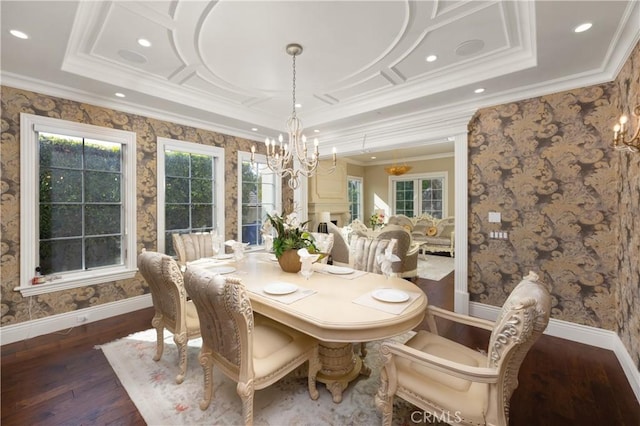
(361, 200)
(260, 158)
(30, 126)
(192, 148)
(417, 201)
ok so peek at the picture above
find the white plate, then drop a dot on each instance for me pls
(390, 295)
(280, 288)
(222, 269)
(339, 270)
(223, 256)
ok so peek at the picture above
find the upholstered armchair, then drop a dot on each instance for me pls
(441, 376)
(252, 350)
(407, 250)
(193, 246)
(172, 310)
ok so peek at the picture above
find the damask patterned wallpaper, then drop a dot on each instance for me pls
(13, 307)
(569, 203)
(628, 249)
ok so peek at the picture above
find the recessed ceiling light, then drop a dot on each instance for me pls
(479, 90)
(316, 131)
(144, 42)
(373, 157)
(298, 105)
(582, 27)
(431, 58)
(254, 129)
(19, 34)
(120, 95)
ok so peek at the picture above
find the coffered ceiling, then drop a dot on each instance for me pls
(222, 65)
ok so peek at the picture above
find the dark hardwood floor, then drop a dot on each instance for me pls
(60, 379)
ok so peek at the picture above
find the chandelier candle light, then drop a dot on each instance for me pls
(620, 133)
(281, 159)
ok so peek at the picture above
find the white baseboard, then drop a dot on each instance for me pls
(461, 302)
(630, 369)
(592, 336)
(28, 329)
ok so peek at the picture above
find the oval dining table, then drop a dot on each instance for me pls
(335, 305)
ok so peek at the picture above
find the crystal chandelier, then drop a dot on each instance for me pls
(293, 158)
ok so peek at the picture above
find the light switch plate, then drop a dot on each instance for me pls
(494, 217)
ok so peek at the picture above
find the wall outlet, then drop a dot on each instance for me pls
(494, 217)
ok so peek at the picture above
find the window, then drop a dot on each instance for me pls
(78, 210)
(420, 194)
(354, 192)
(259, 190)
(190, 190)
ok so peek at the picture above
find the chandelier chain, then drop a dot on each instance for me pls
(293, 113)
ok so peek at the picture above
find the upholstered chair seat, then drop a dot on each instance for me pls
(250, 349)
(172, 310)
(441, 376)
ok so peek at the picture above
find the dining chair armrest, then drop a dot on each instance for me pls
(388, 349)
(434, 311)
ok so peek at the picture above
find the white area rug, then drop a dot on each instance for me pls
(151, 386)
(434, 267)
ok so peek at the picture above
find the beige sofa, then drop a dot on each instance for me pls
(433, 234)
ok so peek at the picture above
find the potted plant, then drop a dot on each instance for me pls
(291, 235)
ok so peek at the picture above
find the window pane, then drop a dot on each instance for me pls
(201, 166)
(102, 219)
(60, 186)
(60, 256)
(176, 190)
(58, 221)
(201, 216)
(60, 151)
(102, 251)
(201, 191)
(103, 156)
(102, 187)
(176, 163)
(176, 216)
